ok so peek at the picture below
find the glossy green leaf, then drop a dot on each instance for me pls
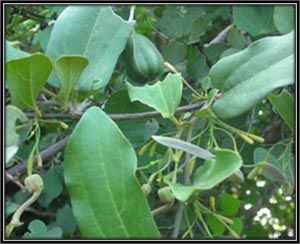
(14, 137)
(13, 53)
(66, 220)
(256, 20)
(284, 104)
(164, 96)
(244, 80)
(38, 230)
(284, 18)
(26, 77)
(69, 69)
(211, 173)
(229, 205)
(92, 31)
(182, 145)
(106, 198)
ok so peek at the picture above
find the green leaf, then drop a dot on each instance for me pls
(119, 102)
(244, 80)
(284, 19)
(26, 77)
(106, 198)
(215, 225)
(65, 220)
(164, 96)
(92, 31)
(237, 225)
(281, 158)
(182, 145)
(10, 208)
(14, 138)
(196, 65)
(285, 106)
(214, 51)
(229, 205)
(211, 173)
(43, 37)
(13, 53)
(38, 230)
(236, 39)
(53, 185)
(256, 20)
(69, 69)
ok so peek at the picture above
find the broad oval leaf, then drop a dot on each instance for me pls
(69, 69)
(164, 96)
(256, 20)
(244, 79)
(184, 146)
(92, 31)
(38, 230)
(99, 171)
(26, 77)
(211, 173)
(284, 104)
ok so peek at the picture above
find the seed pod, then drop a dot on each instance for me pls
(143, 62)
(246, 139)
(165, 194)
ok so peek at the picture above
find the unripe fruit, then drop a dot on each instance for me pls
(143, 62)
(166, 195)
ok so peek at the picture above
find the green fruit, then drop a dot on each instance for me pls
(143, 62)
(165, 194)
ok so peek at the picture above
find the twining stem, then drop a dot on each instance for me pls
(162, 209)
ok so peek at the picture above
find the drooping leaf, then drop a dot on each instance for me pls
(69, 69)
(182, 145)
(285, 106)
(284, 19)
(107, 200)
(244, 79)
(164, 96)
(53, 185)
(38, 230)
(211, 173)
(14, 137)
(256, 20)
(92, 31)
(26, 77)
(13, 53)
(65, 220)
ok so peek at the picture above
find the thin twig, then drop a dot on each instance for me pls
(125, 116)
(49, 152)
